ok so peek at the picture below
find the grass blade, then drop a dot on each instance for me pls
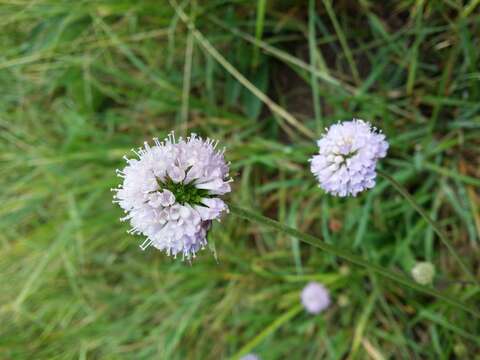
(208, 47)
(261, 6)
(312, 46)
(187, 73)
(267, 331)
(343, 40)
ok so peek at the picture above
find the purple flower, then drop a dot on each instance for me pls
(170, 193)
(348, 154)
(315, 297)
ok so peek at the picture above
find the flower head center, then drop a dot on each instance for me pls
(341, 158)
(349, 155)
(184, 193)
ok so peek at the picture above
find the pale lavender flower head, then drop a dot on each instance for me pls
(170, 193)
(315, 297)
(347, 157)
(250, 357)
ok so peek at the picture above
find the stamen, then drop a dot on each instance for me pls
(146, 244)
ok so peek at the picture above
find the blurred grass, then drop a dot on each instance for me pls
(83, 82)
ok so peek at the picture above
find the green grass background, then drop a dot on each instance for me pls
(82, 82)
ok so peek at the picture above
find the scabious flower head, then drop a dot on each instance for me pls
(348, 154)
(315, 297)
(423, 273)
(170, 193)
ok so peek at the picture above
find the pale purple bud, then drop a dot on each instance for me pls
(315, 298)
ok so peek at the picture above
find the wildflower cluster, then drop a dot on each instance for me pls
(171, 190)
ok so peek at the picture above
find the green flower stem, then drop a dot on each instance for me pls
(431, 222)
(265, 221)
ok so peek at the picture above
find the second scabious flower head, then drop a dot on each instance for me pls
(171, 193)
(347, 157)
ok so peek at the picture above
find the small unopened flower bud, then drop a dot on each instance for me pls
(344, 270)
(460, 350)
(343, 300)
(423, 273)
(176, 173)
